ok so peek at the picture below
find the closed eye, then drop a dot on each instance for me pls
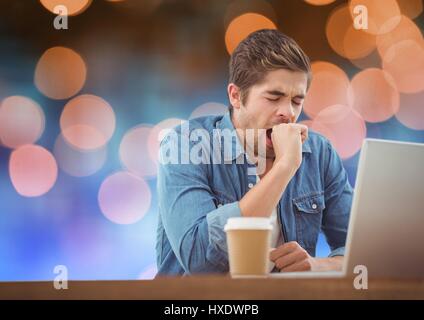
(270, 99)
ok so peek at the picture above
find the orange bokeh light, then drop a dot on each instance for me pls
(87, 122)
(318, 127)
(343, 126)
(357, 43)
(74, 7)
(238, 7)
(60, 73)
(319, 2)
(379, 13)
(411, 111)
(21, 121)
(336, 27)
(374, 95)
(404, 61)
(329, 86)
(405, 30)
(33, 170)
(344, 39)
(243, 25)
(411, 8)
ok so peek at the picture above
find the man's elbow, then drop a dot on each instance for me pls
(201, 260)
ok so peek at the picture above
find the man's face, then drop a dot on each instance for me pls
(278, 98)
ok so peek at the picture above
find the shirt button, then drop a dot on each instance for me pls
(314, 206)
(250, 185)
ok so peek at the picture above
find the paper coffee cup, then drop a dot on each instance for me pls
(249, 242)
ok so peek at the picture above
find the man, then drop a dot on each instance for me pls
(302, 187)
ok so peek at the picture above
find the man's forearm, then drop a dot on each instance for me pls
(264, 196)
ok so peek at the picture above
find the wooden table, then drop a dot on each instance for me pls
(216, 287)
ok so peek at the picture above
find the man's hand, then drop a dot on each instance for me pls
(287, 142)
(291, 257)
(265, 195)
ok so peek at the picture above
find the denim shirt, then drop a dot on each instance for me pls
(196, 199)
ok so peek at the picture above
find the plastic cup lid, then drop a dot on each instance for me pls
(248, 223)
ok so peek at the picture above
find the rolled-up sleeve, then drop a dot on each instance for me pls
(193, 222)
(338, 199)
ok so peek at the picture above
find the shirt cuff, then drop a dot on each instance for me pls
(337, 252)
(216, 221)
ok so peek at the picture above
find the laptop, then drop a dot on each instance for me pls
(386, 227)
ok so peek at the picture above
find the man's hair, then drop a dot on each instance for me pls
(262, 51)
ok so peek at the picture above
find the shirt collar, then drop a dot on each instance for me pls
(236, 147)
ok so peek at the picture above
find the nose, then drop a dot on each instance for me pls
(285, 111)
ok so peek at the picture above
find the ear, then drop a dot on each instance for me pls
(234, 95)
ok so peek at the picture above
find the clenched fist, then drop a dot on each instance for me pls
(287, 139)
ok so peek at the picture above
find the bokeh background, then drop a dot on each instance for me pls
(82, 110)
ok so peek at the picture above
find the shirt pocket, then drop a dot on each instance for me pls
(308, 216)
